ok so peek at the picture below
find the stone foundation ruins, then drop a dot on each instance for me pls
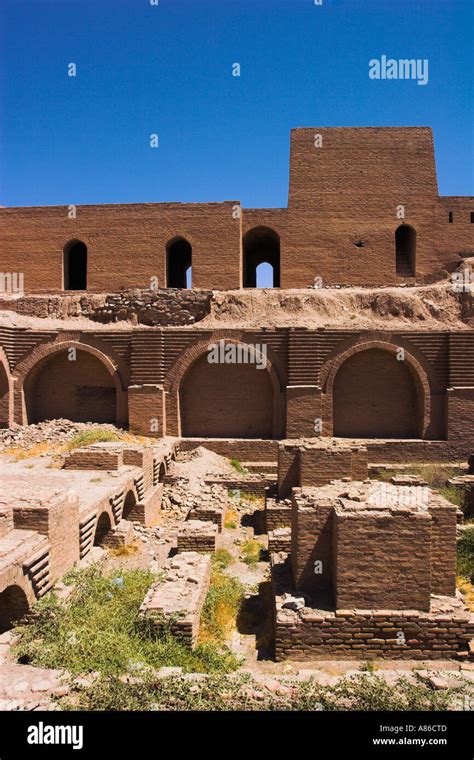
(371, 567)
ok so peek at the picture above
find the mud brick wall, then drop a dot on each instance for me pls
(126, 244)
(142, 458)
(443, 548)
(146, 511)
(146, 410)
(256, 485)
(277, 514)
(372, 635)
(359, 463)
(460, 414)
(58, 519)
(319, 466)
(197, 536)
(347, 191)
(177, 601)
(303, 406)
(93, 459)
(244, 450)
(288, 468)
(317, 633)
(6, 520)
(208, 514)
(382, 559)
(311, 541)
(279, 540)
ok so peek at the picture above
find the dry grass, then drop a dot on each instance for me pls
(125, 551)
(231, 519)
(222, 605)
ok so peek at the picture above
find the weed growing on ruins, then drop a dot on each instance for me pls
(237, 466)
(231, 519)
(222, 559)
(222, 604)
(219, 693)
(465, 555)
(88, 437)
(97, 629)
(454, 495)
(251, 551)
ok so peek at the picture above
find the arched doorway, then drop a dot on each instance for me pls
(261, 245)
(405, 247)
(128, 505)
(13, 606)
(4, 396)
(70, 384)
(75, 265)
(104, 526)
(179, 260)
(226, 401)
(375, 396)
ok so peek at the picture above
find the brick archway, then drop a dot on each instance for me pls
(25, 369)
(182, 366)
(6, 393)
(14, 586)
(417, 373)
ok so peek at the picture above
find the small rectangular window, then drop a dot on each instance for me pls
(450, 217)
(472, 217)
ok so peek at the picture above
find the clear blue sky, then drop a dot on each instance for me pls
(167, 69)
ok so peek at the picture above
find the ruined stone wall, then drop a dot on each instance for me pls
(142, 307)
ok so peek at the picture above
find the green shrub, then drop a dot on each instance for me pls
(88, 437)
(251, 551)
(219, 693)
(97, 629)
(465, 554)
(237, 466)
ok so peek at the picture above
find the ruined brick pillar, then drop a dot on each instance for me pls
(312, 542)
(443, 548)
(146, 410)
(288, 468)
(303, 410)
(461, 416)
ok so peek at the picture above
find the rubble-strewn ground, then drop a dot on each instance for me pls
(246, 676)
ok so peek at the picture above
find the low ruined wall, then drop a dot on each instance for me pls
(277, 513)
(145, 307)
(318, 634)
(197, 536)
(252, 450)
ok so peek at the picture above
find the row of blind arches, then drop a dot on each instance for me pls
(261, 255)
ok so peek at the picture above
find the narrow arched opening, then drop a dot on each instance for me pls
(129, 505)
(261, 246)
(75, 265)
(179, 260)
(4, 397)
(405, 246)
(13, 606)
(104, 526)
